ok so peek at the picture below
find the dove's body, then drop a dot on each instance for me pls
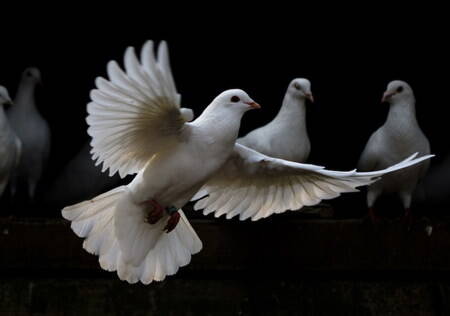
(168, 177)
(286, 136)
(33, 131)
(399, 137)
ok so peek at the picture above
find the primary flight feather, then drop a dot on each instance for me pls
(137, 127)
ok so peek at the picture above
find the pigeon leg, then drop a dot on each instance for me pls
(408, 218)
(373, 216)
(156, 213)
(173, 219)
(372, 195)
(31, 189)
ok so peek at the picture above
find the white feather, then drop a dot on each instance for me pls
(96, 221)
(135, 114)
(274, 178)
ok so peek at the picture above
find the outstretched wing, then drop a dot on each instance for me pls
(255, 186)
(135, 113)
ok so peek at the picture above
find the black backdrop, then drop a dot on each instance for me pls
(349, 67)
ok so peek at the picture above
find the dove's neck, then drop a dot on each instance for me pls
(292, 114)
(401, 116)
(401, 122)
(220, 126)
(25, 95)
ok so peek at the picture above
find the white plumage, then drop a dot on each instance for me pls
(255, 186)
(137, 127)
(10, 144)
(94, 220)
(33, 131)
(399, 137)
(286, 136)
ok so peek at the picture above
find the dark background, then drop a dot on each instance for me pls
(309, 267)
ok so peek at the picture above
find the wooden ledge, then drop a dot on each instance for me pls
(287, 245)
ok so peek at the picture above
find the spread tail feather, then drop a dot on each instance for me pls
(94, 220)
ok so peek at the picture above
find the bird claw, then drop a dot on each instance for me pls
(172, 222)
(156, 213)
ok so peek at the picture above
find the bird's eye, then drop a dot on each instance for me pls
(235, 99)
(297, 86)
(399, 89)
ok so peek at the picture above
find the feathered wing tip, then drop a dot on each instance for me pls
(94, 221)
(256, 201)
(264, 186)
(135, 112)
(408, 162)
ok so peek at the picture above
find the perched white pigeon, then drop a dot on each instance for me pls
(10, 145)
(32, 130)
(137, 127)
(285, 136)
(399, 137)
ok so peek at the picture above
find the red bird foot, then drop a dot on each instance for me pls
(156, 213)
(172, 222)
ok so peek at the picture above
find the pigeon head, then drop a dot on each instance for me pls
(301, 88)
(397, 90)
(235, 100)
(32, 75)
(4, 96)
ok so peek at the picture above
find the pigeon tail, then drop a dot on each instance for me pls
(96, 221)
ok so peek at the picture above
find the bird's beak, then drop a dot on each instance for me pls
(253, 105)
(310, 97)
(9, 102)
(386, 96)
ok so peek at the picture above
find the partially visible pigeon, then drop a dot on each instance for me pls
(436, 185)
(398, 138)
(285, 136)
(137, 127)
(80, 179)
(32, 130)
(10, 145)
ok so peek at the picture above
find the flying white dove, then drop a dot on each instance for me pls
(399, 137)
(10, 145)
(137, 127)
(285, 136)
(32, 130)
